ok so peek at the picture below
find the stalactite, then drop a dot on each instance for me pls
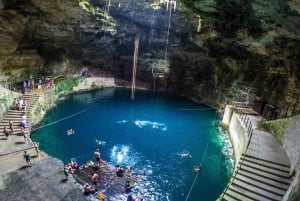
(168, 33)
(200, 20)
(135, 58)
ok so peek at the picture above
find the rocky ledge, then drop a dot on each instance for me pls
(45, 180)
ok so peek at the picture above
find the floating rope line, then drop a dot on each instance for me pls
(68, 117)
(203, 157)
(188, 195)
(205, 151)
(193, 184)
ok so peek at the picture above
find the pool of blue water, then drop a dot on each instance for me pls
(148, 134)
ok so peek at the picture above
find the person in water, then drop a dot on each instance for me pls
(185, 155)
(197, 169)
(70, 131)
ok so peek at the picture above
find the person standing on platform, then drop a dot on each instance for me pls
(27, 158)
(97, 157)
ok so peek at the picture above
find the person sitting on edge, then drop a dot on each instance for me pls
(11, 126)
(119, 171)
(87, 189)
(94, 177)
(6, 132)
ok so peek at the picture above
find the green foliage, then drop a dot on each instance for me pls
(235, 92)
(66, 86)
(233, 16)
(277, 128)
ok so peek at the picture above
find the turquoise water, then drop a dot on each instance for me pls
(148, 133)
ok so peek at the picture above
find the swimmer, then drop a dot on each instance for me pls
(197, 169)
(185, 155)
(98, 142)
(70, 131)
(154, 126)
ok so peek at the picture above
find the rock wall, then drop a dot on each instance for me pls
(213, 51)
(49, 98)
(6, 100)
(94, 83)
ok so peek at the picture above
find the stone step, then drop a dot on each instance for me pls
(16, 126)
(245, 193)
(12, 118)
(15, 111)
(265, 169)
(258, 191)
(264, 180)
(17, 131)
(267, 164)
(8, 115)
(263, 186)
(265, 175)
(15, 122)
(279, 164)
(235, 196)
(227, 198)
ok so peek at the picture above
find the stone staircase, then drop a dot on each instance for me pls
(12, 149)
(263, 172)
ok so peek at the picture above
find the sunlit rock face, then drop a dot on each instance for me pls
(204, 49)
(11, 33)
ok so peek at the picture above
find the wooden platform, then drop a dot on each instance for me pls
(109, 183)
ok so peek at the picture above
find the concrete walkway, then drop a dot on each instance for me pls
(45, 180)
(12, 149)
(263, 171)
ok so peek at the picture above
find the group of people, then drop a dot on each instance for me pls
(10, 130)
(71, 168)
(88, 189)
(20, 104)
(30, 84)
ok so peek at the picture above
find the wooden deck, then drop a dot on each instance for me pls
(111, 185)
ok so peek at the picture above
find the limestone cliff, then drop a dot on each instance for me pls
(214, 51)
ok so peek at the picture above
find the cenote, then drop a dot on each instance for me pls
(148, 133)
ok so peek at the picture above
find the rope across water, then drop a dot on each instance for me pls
(68, 117)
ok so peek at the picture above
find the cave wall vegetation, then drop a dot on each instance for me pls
(215, 51)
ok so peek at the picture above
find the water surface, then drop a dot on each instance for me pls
(149, 134)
